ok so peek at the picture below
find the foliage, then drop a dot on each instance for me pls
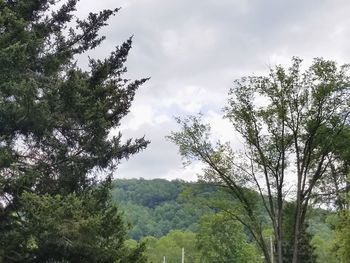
(342, 243)
(155, 207)
(290, 122)
(322, 227)
(306, 249)
(220, 239)
(205, 200)
(74, 229)
(148, 193)
(170, 247)
(55, 123)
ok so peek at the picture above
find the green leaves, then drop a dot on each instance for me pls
(291, 122)
(55, 121)
(171, 246)
(71, 228)
(342, 237)
(220, 239)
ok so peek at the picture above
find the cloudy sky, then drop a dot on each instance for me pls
(194, 49)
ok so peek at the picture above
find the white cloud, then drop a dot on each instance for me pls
(193, 50)
(143, 114)
(188, 173)
(190, 99)
(221, 128)
(189, 40)
(140, 114)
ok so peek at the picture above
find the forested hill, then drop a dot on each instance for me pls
(155, 207)
(164, 212)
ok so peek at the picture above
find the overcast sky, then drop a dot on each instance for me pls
(194, 49)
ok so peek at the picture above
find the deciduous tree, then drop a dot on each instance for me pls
(220, 239)
(290, 122)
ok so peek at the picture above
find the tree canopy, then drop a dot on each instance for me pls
(290, 122)
(222, 240)
(55, 134)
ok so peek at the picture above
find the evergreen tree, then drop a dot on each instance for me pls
(55, 123)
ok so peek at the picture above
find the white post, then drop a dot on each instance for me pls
(164, 259)
(183, 255)
(271, 247)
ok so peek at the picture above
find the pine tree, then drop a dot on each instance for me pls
(55, 123)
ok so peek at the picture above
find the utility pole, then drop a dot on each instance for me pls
(271, 247)
(183, 256)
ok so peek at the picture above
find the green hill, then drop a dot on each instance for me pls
(161, 212)
(155, 207)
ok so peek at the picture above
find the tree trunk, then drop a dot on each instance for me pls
(279, 224)
(264, 249)
(267, 256)
(297, 228)
(280, 251)
(279, 245)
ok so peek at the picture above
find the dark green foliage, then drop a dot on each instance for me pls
(306, 251)
(55, 123)
(155, 207)
(73, 229)
(148, 193)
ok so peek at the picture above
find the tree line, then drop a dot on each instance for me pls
(213, 234)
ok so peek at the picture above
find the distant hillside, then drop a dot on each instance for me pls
(155, 207)
(162, 209)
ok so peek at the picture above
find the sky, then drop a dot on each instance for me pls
(193, 50)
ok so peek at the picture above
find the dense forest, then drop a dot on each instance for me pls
(155, 207)
(171, 215)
